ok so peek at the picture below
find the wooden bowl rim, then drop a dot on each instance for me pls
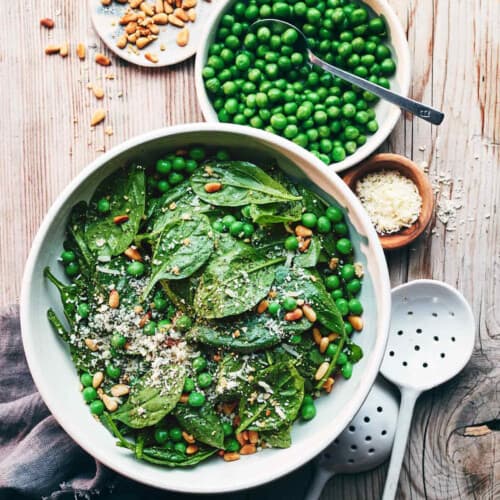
(408, 168)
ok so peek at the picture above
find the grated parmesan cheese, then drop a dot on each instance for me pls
(391, 200)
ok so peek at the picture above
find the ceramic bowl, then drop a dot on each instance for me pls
(56, 377)
(406, 167)
(387, 114)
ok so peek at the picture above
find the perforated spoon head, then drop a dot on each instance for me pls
(431, 336)
(367, 441)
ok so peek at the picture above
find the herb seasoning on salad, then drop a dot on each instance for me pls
(211, 301)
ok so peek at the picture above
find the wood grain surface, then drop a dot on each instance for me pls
(45, 112)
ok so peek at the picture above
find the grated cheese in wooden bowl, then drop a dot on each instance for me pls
(391, 200)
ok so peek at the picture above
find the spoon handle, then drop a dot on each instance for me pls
(427, 113)
(408, 399)
(321, 477)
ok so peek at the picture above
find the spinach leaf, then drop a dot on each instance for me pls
(311, 201)
(310, 257)
(242, 183)
(234, 282)
(203, 423)
(57, 325)
(125, 190)
(148, 404)
(112, 275)
(76, 239)
(281, 438)
(69, 295)
(161, 456)
(183, 247)
(279, 391)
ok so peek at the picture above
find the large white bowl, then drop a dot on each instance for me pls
(56, 378)
(387, 114)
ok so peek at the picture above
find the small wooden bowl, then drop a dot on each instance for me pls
(388, 161)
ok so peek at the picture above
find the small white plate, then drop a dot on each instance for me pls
(106, 23)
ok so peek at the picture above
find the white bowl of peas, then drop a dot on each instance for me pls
(258, 79)
(72, 398)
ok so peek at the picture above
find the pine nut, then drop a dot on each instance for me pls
(323, 344)
(98, 92)
(102, 60)
(120, 219)
(294, 315)
(167, 8)
(98, 116)
(183, 37)
(328, 385)
(119, 390)
(97, 379)
(159, 6)
(248, 449)
(133, 253)
(309, 313)
(304, 245)
(131, 38)
(64, 50)
(333, 263)
(240, 438)
(356, 322)
(191, 449)
(317, 335)
(48, 23)
(175, 21)
(130, 28)
(188, 4)
(181, 14)
(333, 336)
(91, 344)
(110, 404)
(321, 371)
(262, 307)
(114, 299)
(189, 438)
(231, 456)
(212, 187)
(145, 319)
(142, 42)
(184, 398)
(303, 231)
(151, 57)
(134, 4)
(52, 49)
(81, 51)
(106, 3)
(128, 18)
(161, 18)
(147, 9)
(192, 15)
(253, 437)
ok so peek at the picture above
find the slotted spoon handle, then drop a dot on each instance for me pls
(408, 399)
(321, 477)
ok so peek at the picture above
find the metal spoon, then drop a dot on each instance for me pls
(431, 338)
(365, 443)
(427, 113)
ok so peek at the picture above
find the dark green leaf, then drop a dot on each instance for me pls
(278, 439)
(183, 247)
(76, 238)
(310, 257)
(234, 282)
(148, 404)
(161, 456)
(311, 201)
(243, 183)
(203, 423)
(126, 192)
(69, 295)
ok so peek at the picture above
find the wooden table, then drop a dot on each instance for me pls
(46, 140)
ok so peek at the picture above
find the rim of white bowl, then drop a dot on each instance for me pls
(403, 76)
(293, 461)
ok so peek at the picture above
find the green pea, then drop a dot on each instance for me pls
(175, 434)
(135, 268)
(347, 272)
(227, 220)
(331, 350)
(236, 228)
(83, 310)
(183, 323)
(341, 228)
(231, 444)
(199, 364)
(86, 379)
(160, 303)
(347, 369)
(376, 25)
(196, 399)
(308, 400)
(324, 224)
(161, 436)
(163, 185)
(180, 447)
(354, 286)
(281, 10)
(175, 178)
(89, 394)
(103, 206)
(358, 16)
(273, 308)
(289, 36)
(309, 220)
(382, 52)
(218, 226)
(308, 411)
(295, 339)
(355, 307)
(227, 429)
(96, 407)
(291, 243)
(163, 167)
(164, 325)
(204, 380)
(337, 294)
(278, 121)
(388, 66)
(338, 154)
(344, 246)
(334, 214)
(188, 384)
(332, 282)
(342, 306)
(289, 303)
(113, 371)
(248, 229)
(68, 256)
(118, 341)
(356, 353)
(342, 359)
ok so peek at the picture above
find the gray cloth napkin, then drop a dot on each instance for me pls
(39, 460)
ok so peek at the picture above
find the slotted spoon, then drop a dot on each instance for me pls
(431, 338)
(365, 443)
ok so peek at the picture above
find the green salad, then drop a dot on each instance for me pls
(210, 302)
(261, 79)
